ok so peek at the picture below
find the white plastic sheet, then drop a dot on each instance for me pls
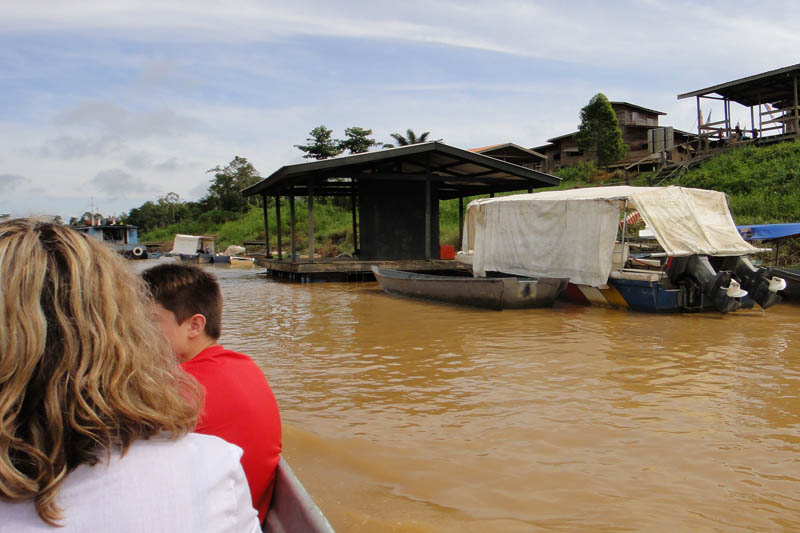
(572, 233)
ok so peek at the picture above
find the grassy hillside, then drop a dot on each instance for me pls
(763, 184)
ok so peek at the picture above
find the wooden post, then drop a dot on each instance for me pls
(278, 224)
(311, 219)
(266, 228)
(428, 208)
(292, 234)
(726, 108)
(353, 206)
(794, 111)
(460, 222)
(699, 126)
(752, 123)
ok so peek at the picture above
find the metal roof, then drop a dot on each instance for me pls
(507, 149)
(774, 86)
(634, 106)
(454, 171)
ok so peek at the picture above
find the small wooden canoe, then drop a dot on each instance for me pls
(292, 509)
(491, 293)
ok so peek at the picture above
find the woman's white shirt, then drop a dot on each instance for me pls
(192, 484)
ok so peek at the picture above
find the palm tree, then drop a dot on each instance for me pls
(410, 138)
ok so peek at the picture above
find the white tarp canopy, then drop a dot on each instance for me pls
(572, 233)
(191, 244)
(234, 249)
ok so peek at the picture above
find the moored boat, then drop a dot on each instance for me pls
(292, 509)
(193, 248)
(777, 233)
(657, 249)
(493, 293)
(124, 238)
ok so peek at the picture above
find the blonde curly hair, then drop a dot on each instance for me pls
(83, 368)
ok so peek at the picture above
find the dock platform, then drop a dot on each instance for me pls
(349, 269)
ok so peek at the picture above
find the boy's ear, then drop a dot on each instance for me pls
(197, 325)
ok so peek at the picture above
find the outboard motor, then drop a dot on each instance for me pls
(695, 274)
(760, 283)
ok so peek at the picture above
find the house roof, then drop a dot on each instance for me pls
(454, 171)
(640, 108)
(508, 149)
(768, 87)
(565, 136)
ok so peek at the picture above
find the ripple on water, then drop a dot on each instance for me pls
(569, 418)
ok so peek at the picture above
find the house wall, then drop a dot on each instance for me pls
(635, 117)
(636, 139)
(392, 220)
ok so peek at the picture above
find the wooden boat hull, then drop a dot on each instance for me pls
(292, 509)
(646, 296)
(490, 293)
(648, 292)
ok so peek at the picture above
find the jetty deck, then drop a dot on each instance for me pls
(348, 269)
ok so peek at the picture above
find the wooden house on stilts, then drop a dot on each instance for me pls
(772, 98)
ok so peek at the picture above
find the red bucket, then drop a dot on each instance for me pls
(447, 251)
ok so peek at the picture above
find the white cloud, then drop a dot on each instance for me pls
(10, 182)
(117, 183)
(623, 33)
(124, 101)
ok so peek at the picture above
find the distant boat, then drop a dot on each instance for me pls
(292, 509)
(123, 238)
(194, 248)
(237, 261)
(510, 292)
(777, 233)
(231, 255)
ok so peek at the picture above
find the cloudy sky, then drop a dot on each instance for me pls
(119, 102)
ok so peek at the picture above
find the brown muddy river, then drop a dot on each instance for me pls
(404, 415)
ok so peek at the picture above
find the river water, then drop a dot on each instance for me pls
(404, 415)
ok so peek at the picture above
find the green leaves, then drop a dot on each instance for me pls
(320, 144)
(599, 132)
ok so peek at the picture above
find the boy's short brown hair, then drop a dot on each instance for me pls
(186, 290)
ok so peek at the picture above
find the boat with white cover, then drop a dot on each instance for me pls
(645, 248)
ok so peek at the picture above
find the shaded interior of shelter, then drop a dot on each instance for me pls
(394, 196)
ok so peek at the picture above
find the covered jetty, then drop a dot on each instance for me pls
(773, 101)
(394, 196)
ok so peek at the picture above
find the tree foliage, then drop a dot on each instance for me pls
(321, 144)
(410, 138)
(224, 193)
(599, 132)
(357, 140)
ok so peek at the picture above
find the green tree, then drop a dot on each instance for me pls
(410, 138)
(599, 132)
(320, 144)
(171, 200)
(149, 215)
(224, 193)
(357, 140)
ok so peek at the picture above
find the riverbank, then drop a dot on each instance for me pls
(763, 184)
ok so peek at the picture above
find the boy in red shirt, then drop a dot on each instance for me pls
(239, 405)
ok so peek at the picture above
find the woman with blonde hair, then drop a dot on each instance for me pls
(95, 415)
